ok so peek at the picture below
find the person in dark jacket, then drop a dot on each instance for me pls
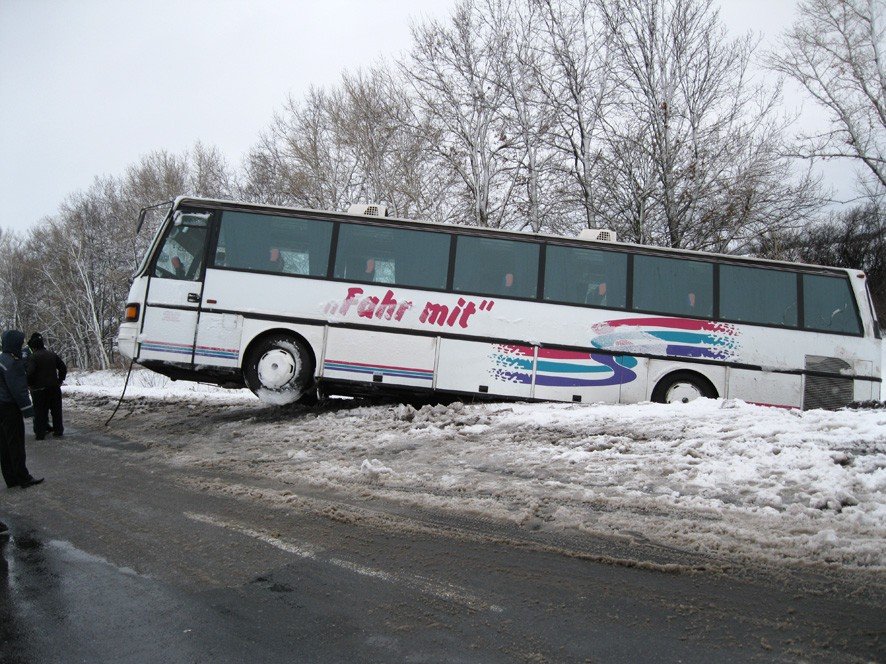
(15, 405)
(46, 373)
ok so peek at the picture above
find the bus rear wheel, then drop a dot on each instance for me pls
(278, 370)
(683, 387)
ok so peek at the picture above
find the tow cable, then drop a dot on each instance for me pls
(120, 400)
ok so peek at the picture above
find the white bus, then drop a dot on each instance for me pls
(289, 302)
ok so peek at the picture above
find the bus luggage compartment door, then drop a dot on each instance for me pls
(765, 388)
(486, 368)
(379, 357)
(580, 376)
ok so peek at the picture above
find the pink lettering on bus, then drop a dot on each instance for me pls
(389, 308)
(440, 314)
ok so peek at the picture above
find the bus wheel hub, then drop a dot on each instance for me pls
(682, 393)
(276, 369)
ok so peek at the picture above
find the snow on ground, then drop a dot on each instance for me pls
(149, 385)
(712, 476)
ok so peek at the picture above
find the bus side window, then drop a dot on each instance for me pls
(674, 286)
(492, 266)
(400, 256)
(828, 305)
(266, 243)
(297, 262)
(577, 275)
(764, 296)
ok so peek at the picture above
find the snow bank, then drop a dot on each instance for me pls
(711, 476)
(148, 385)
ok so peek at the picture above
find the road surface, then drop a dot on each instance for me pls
(122, 556)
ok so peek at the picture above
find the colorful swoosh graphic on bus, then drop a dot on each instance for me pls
(674, 337)
(561, 368)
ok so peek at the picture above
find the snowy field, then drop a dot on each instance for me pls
(716, 477)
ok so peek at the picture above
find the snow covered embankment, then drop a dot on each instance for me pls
(712, 476)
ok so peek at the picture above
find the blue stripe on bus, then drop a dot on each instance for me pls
(687, 337)
(217, 353)
(163, 348)
(385, 372)
(420, 374)
(544, 365)
(565, 367)
(186, 349)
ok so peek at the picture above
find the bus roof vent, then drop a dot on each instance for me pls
(597, 234)
(368, 210)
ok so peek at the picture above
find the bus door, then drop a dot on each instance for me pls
(175, 286)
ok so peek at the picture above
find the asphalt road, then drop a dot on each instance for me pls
(121, 557)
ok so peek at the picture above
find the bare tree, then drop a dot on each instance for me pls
(576, 74)
(711, 136)
(156, 177)
(264, 173)
(835, 51)
(14, 282)
(525, 115)
(83, 271)
(627, 191)
(353, 142)
(452, 73)
(302, 159)
(208, 173)
(394, 159)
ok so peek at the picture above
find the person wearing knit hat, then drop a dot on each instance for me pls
(46, 373)
(15, 405)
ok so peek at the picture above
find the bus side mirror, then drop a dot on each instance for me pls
(141, 219)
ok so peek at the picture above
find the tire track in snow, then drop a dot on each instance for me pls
(443, 591)
(475, 529)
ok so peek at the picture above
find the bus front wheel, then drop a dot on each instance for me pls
(278, 369)
(683, 387)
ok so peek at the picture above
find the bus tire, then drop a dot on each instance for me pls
(278, 369)
(683, 387)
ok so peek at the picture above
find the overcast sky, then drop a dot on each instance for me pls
(89, 86)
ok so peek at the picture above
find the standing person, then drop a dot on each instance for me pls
(15, 405)
(46, 373)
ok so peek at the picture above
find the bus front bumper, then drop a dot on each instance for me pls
(127, 340)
